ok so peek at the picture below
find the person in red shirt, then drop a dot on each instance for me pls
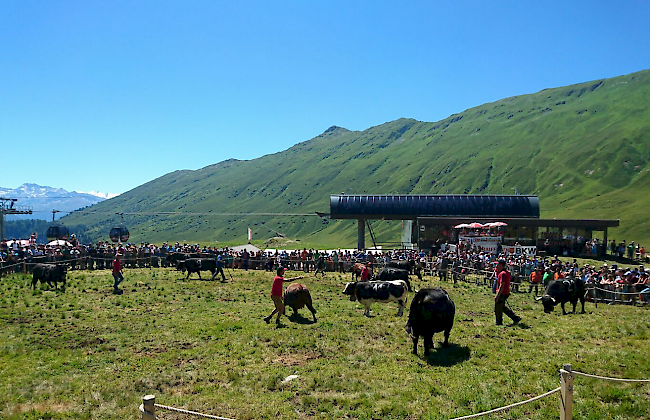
(365, 274)
(276, 294)
(117, 272)
(502, 294)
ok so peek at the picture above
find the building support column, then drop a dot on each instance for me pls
(361, 234)
(603, 252)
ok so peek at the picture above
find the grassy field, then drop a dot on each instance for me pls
(203, 346)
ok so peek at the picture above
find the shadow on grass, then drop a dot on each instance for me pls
(448, 356)
(299, 319)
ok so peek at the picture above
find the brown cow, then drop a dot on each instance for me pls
(296, 297)
(356, 271)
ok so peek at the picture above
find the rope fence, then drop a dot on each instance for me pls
(605, 378)
(567, 376)
(507, 407)
(614, 291)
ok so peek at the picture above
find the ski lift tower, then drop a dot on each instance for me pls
(8, 206)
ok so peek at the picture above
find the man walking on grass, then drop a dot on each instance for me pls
(117, 272)
(502, 294)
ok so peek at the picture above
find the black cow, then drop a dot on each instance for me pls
(562, 291)
(432, 311)
(196, 265)
(49, 273)
(174, 257)
(402, 264)
(389, 274)
(412, 266)
(378, 291)
(297, 296)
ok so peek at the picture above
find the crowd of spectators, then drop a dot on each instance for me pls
(607, 282)
(611, 283)
(99, 256)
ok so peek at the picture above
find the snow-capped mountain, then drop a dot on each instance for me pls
(43, 200)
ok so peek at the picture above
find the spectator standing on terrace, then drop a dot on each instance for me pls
(502, 294)
(276, 295)
(245, 258)
(630, 250)
(117, 272)
(535, 280)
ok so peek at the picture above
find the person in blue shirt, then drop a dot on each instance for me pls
(220, 268)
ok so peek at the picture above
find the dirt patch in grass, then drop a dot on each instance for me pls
(41, 407)
(150, 351)
(297, 359)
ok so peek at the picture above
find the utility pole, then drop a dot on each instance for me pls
(8, 206)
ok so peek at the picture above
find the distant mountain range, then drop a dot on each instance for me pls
(583, 149)
(44, 199)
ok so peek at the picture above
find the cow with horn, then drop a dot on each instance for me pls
(562, 291)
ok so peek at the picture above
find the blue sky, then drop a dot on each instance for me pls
(108, 95)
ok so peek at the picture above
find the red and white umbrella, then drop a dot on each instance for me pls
(475, 225)
(495, 224)
(461, 226)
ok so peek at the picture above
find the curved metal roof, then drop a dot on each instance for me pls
(404, 207)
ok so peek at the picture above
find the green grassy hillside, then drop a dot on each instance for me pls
(584, 149)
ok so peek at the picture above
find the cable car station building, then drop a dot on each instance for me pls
(429, 220)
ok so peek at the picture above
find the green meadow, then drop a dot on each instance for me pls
(87, 353)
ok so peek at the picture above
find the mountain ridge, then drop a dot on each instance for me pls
(582, 148)
(45, 198)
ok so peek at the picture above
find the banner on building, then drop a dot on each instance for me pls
(529, 251)
(484, 243)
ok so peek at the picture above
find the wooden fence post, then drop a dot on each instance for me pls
(566, 392)
(149, 408)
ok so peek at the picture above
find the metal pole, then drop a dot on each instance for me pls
(361, 234)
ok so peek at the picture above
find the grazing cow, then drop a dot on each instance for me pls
(296, 297)
(562, 291)
(49, 273)
(196, 265)
(389, 274)
(378, 291)
(356, 269)
(432, 311)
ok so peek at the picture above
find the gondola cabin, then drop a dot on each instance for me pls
(55, 232)
(119, 234)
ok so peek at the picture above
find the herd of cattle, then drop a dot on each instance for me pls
(431, 311)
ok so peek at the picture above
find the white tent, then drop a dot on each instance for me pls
(21, 242)
(247, 247)
(59, 242)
